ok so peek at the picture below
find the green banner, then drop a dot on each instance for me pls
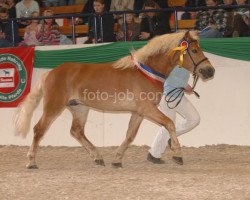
(237, 48)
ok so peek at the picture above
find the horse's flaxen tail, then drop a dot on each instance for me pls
(22, 117)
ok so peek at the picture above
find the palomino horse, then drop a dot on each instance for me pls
(69, 85)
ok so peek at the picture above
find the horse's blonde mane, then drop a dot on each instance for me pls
(159, 44)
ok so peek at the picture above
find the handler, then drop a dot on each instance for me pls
(174, 101)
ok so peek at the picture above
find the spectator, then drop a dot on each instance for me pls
(242, 24)
(211, 23)
(31, 31)
(12, 8)
(6, 34)
(192, 4)
(132, 29)
(101, 26)
(121, 5)
(48, 32)
(230, 19)
(24, 9)
(88, 8)
(3, 4)
(152, 23)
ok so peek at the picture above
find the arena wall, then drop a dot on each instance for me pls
(224, 108)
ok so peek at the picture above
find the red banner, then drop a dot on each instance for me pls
(16, 66)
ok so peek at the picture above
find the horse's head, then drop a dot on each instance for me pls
(191, 56)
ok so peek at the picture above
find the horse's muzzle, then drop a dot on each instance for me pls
(207, 72)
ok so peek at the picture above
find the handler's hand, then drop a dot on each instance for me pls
(144, 36)
(188, 89)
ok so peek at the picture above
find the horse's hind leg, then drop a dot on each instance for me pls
(80, 113)
(134, 125)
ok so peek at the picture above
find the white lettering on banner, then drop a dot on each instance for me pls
(3, 97)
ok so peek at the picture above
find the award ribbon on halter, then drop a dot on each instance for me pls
(183, 48)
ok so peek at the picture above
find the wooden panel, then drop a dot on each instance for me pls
(184, 24)
(174, 3)
(64, 9)
(67, 30)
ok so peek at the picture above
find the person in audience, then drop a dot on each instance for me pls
(31, 31)
(132, 29)
(241, 21)
(121, 5)
(88, 8)
(24, 9)
(101, 26)
(211, 23)
(12, 8)
(48, 32)
(230, 19)
(3, 4)
(152, 23)
(8, 37)
(241, 24)
(192, 4)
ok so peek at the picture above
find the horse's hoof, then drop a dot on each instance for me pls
(177, 160)
(117, 165)
(31, 166)
(100, 162)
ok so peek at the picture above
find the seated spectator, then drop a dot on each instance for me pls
(211, 23)
(242, 24)
(241, 21)
(6, 33)
(192, 4)
(88, 8)
(230, 19)
(24, 9)
(121, 5)
(132, 29)
(101, 26)
(152, 23)
(12, 8)
(3, 4)
(31, 31)
(48, 32)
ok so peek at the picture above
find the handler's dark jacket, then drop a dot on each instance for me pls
(104, 27)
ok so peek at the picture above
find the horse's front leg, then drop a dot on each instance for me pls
(133, 127)
(153, 113)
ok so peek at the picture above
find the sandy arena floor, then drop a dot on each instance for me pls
(211, 172)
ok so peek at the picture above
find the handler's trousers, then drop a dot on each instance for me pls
(187, 111)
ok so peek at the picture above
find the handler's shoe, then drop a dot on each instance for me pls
(154, 160)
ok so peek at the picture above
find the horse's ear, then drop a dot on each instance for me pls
(187, 35)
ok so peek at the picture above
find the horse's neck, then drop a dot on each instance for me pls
(160, 64)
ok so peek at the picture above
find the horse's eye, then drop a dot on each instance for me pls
(194, 51)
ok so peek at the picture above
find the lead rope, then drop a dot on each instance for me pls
(171, 96)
